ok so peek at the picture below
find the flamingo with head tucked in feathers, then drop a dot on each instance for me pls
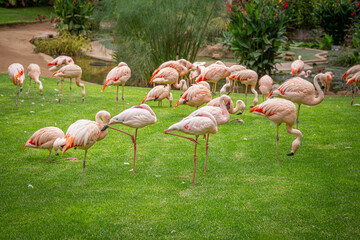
(201, 124)
(83, 134)
(45, 139)
(196, 95)
(297, 66)
(326, 79)
(71, 71)
(16, 74)
(58, 63)
(354, 79)
(348, 75)
(159, 93)
(118, 77)
(177, 65)
(300, 91)
(280, 111)
(134, 117)
(247, 77)
(34, 73)
(265, 85)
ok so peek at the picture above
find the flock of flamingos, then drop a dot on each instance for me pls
(203, 121)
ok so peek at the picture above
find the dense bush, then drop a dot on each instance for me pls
(258, 28)
(302, 16)
(152, 32)
(74, 15)
(336, 17)
(65, 44)
(23, 3)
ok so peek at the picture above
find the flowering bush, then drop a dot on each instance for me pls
(337, 16)
(258, 29)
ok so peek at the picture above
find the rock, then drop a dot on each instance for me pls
(290, 54)
(289, 58)
(216, 56)
(344, 93)
(279, 56)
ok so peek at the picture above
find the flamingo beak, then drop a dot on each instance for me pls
(104, 128)
(54, 74)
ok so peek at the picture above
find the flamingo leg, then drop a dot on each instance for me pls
(352, 97)
(84, 165)
(207, 146)
(35, 91)
(246, 86)
(194, 164)
(297, 117)
(49, 158)
(62, 86)
(117, 98)
(191, 139)
(123, 99)
(135, 149)
(277, 142)
(27, 93)
(17, 96)
(70, 90)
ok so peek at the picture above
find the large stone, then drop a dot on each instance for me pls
(216, 56)
(290, 54)
(289, 58)
(279, 56)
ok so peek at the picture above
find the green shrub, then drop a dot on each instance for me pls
(65, 44)
(158, 31)
(326, 42)
(344, 58)
(75, 15)
(303, 16)
(336, 17)
(258, 28)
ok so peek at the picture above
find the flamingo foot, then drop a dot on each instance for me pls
(352, 101)
(122, 98)
(59, 99)
(117, 98)
(290, 154)
(214, 93)
(83, 99)
(27, 94)
(237, 120)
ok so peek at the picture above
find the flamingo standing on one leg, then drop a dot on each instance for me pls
(44, 139)
(34, 73)
(159, 93)
(297, 66)
(300, 91)
(58, 63)
(196, 95)
(214, 73)
(118, 77)
(202, 124)
(247, 77)
(85, 133)
(280, 111)
(265, 85)
(16, 74)
(135, 117)
(71, 71)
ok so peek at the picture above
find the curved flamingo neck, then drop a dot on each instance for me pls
(320, 92)
(225, 112)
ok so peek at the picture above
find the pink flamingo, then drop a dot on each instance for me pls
(85, 133)
(305, 75)
(297, 66)
(159, 93)
(300, 91)
(326, 79)
(118, 77)
(135, 117)
(230, 83)
(280, 111)
(194, 75)
(16, 74)
(178, 66)
(214, 73)
(34, 73)
(240, 105)
(265, 85)
(58, 63)
(201, 124)
(247, 77)
(196, 95)
(348, 75)
(44, 138)
(71, 71)
(354, 79)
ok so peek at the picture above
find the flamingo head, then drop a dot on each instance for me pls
(57, 73)
(350, 81)
(59, 144)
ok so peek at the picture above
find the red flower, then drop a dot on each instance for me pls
(228, 9)
(285, 5)
(36, 18)
(352, 14)
(30, 40)
(358, 5)
(59, 20)
(38, 15)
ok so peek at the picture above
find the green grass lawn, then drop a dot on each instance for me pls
(245, 194)
(23, 15)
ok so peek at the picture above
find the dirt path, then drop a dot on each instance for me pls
(16, 48)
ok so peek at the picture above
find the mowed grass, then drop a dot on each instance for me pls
(245, 194)
(22, 15)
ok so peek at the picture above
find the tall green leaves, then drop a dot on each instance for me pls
(258, 28)
(151, 32)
